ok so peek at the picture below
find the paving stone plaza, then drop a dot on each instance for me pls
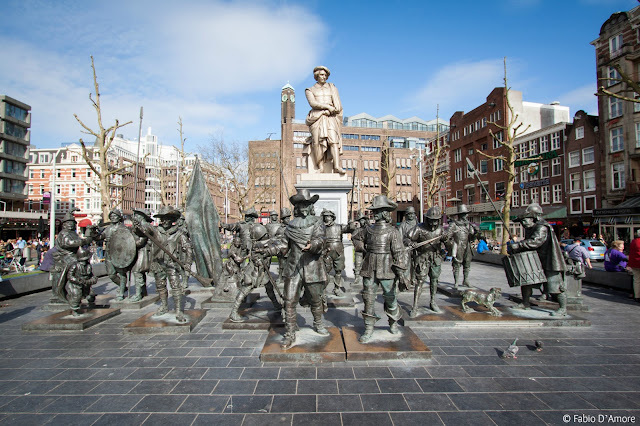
(102, 376)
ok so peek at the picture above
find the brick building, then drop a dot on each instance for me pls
(618, 44)
(469, 136)
(383, 152)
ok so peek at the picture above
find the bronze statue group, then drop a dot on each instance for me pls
(308, 248)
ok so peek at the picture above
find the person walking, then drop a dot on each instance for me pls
(634, 264)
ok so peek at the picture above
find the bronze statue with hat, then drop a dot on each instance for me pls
(169, 248)
(303, 243)
(384, 258)
(464, 233)
(79, 279)
(358, 247)
(243, 228)
(285, 218)
(409, 221)
(325, 124)
(539, 237)
(142, 263)
(67, 244)
(120, 250)
(427, 239)
(334, 249)
(274, 224)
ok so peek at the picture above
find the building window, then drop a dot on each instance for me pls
(457, 155)
(615, 45)
(471, 194)
(298, 145)
(544, 144)
(524, 198)
(498, 164)
(614, 77)
(617, 139)
(484, 166)
(579, 132)
(617, 176)
(589, 203)
(587, 155)
(555, 141)
(523, 174)
(557, 193)
(534, 195)
(574, 182)
(589, 178)
(515, 199)
(544, 169)
(42, 174)
(556, 170)
(500, 190)
(615, 107)
(637, 134)
(576, 205)
(546, 195)
(574, 159)
(533, 147)
(458, 174)
(497, 138)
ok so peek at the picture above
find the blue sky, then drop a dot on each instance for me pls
(220, 65)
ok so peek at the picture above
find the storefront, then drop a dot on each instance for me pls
(621, 222)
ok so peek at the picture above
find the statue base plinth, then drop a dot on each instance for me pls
(333, 189)
(222, 301)
(128, 305)
(308, 347)
(451, 291)
(384, 345)
(65, 321)
(101, 302)
(345, 301)
(165, 324)
(255, 319)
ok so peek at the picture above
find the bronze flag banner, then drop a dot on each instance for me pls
(202, 220)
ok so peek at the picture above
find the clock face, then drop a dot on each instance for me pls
(284, 98)
(293, 98)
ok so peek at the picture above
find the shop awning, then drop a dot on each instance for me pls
(487, 226)
(84, 223)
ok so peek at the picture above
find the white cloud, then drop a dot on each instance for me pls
(581, 98)
(208, 62)
(460, 86)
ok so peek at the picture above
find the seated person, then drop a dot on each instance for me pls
(614, 258)
(482, 246)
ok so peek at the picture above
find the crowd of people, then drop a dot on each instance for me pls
(23, 250)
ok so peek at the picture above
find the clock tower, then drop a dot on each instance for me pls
(288, 103)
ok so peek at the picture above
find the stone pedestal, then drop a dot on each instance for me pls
(127, 304)
(384, 345)
(224, 301)
(165, 324)
(346, 301)
(65, 321)
(101, 302)
(309, 347)
(334, 191)
(256, 319)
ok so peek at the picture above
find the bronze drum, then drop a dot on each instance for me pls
(523, 268)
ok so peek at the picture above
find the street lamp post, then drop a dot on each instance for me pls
(52, 201)
(420, 180)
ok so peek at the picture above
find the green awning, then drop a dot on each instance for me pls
(559, 213)
(487, 226)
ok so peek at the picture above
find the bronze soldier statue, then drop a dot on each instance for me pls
(166, 271)
(384, 258)
(243, 228)
(117, 275)
(539, 236)
(67, 243)
(334, 249)
(285, 217)
(464, 233)
(80, 278)
(274, 224)
(303, 243)
(182, 226)
(142, 264)
(233, 265)
(358, 247)
(406, 279)
(427, 258)
(256, 272)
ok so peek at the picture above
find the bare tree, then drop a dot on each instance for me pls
(511, 131)
(631, 87)
(105, 172)
(436, 168)
(388, 167)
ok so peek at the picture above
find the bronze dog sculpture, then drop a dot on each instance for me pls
(485, 299)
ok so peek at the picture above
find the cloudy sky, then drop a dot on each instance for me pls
(220, 65)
